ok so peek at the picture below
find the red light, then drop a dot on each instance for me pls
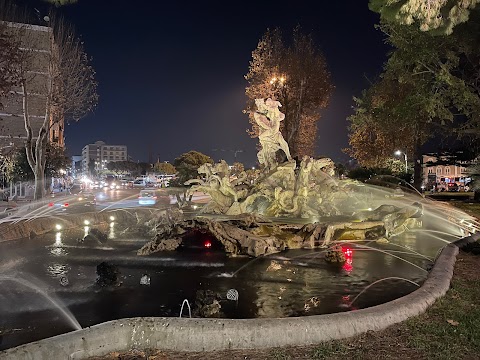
(348, 266)
(207, 244)
(347, 252)
(50, 204)
(66, 204)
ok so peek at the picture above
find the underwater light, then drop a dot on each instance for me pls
(112, 218)
(86, 222)
(58, 227)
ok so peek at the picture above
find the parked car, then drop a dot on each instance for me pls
(453, 187)
(147, 197)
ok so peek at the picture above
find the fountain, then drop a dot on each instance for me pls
(269, 242)
(289, 206)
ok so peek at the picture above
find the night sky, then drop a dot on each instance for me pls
(171, 73)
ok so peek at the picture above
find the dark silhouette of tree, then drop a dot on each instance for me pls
(188, 163)
(61, 2)
(56, 161)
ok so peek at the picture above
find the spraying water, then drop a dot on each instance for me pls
(63, 310)
(376, 282)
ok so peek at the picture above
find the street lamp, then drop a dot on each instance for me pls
(398, 153)
(278, 85)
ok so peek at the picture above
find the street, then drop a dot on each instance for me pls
(106, 199)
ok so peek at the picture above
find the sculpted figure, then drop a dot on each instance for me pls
(268, 118)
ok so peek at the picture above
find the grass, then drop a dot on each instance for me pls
(452, 324)
(471, 208)
(451, 194)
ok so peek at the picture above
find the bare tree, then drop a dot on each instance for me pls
(67, 86)
(71, 94)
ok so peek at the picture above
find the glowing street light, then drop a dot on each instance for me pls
(398, 153)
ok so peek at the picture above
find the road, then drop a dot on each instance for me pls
(106, 199)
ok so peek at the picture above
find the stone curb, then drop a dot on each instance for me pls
(209, 334)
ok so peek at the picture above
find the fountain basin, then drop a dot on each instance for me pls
(209, 334)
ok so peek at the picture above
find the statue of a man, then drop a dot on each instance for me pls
(268, 118)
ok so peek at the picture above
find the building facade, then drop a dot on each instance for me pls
(438, 174)
(38, 42)
(100, 154)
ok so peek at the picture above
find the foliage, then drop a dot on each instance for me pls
(164, 168)
(252, 175)
(430, 87)
(361, 173)
(436, 16)
(379, 175)
(56, 160)
(7, 166)
(474, 172)
(61, 2)
(237, 169)
(128, 167)
(297, 77)
(188, 163)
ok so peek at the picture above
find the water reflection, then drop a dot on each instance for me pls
(58, 251)
(56, 270)
(111, 233)
(58, 239)
(57, 248)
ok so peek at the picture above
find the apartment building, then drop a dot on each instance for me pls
(38, 41)
(101, 154)
(438, 172)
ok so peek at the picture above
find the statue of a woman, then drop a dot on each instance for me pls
(268, 118)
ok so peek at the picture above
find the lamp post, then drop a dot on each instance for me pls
(278, 85)
(398, 153)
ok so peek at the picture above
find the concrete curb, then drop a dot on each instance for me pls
(209, 334)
